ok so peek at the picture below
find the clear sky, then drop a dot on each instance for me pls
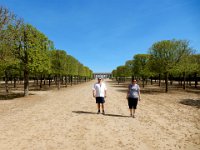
(103, 34)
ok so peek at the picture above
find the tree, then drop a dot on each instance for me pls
(167, 54)
(6, 18)
(29, 49)
(197, 70)
(129, 66)
(141, 67)
(122, 72)
(58, 64)
(8, 21)
(40, 59)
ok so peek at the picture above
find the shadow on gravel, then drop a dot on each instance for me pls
(191, 102)
(152, 91)
(87, 112)
(84, 112)
(11, 96)
(114, 115)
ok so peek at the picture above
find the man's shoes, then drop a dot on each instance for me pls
(98, 112)
(103, 112)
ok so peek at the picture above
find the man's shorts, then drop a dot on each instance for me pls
(132, 103)
(100, 100)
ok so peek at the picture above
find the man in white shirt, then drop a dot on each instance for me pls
(99, 92)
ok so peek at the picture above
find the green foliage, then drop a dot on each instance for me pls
(72, 65)
(123, 71)
(81, 69)
(58, 62)
(114, 73)
(129, 66)
(196, 63)
(141, 65)
(168, 54)
(24, 49)
(8, 21)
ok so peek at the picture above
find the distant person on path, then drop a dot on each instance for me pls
(99, 92)
(133, 95)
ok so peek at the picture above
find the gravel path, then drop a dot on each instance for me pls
(67, 120)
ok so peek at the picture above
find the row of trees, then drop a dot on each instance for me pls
(26, 52)
(167, 59)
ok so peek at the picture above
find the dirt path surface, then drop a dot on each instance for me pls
(67, 120)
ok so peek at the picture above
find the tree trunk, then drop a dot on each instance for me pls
(184, 77)
(59, 82)
(132, 77)
(6, 83)
(143, 80)
(166, 82)
(11, 78)
(66, 80)
(159, 80)
(171, 82)
(190, 79)
(37, 81)
(49, 81)
(196, 80)
(26, 70)
(40, 82)
(20, 78)
(181, 81)
(71, 80)
(26, 82)
(15, 82)
(44, 83)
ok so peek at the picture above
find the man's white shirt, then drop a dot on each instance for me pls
(100, 89)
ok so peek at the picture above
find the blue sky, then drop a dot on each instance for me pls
(103, 34)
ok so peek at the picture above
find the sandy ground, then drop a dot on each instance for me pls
(67, 120)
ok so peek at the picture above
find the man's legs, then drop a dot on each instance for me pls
(100, 101)
(98, 107)
(102, 106)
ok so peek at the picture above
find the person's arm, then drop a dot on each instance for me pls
(139, 93)
(105, 89)
(128, 92)
(94, 93)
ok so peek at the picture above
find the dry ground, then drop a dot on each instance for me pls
(67, 120)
